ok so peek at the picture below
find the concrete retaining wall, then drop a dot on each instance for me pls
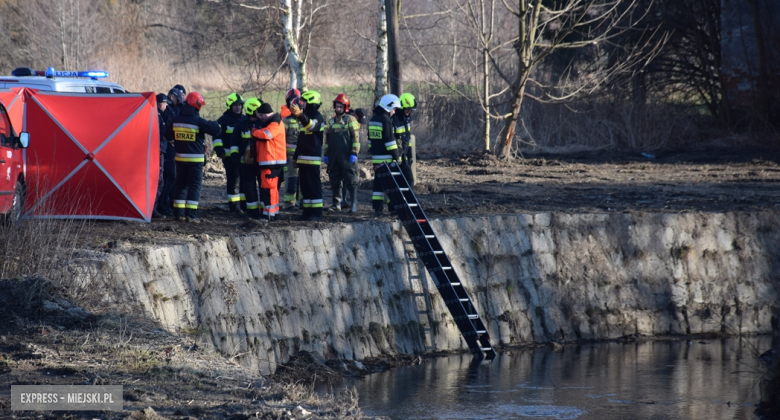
(345, 291)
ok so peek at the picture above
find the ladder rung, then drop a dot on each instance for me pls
(430, 237)
(421, 220)
(464, 300)
(438, 252)
(475, 316)
(412, 204)
(455, 284)
(403, 189)
(395, 173)
(481, 331)
(486, 348)
(446, 268)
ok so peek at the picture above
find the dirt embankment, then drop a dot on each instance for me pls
(45, 339)
(708, 181)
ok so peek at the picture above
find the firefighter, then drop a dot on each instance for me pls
(176, 97)
(271, 157)
(402, 122)
(291, 172)
(188, 131)
(165, 206)
(247, 149)
(308, 152)
(228, 151)
(342, 145)
(382, 144)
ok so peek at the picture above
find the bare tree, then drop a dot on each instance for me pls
(481, 16)
(544, 27)
(297, 28)
(380, 86)
(691, 65)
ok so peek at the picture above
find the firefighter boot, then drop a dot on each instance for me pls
(234, 207)
(353, 200)
(336, 188)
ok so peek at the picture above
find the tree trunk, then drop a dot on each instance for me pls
(394, 51)
(762, 101)
(297, 71)
(508, 132)
(528, 25)
(381, 54)
(486, 89)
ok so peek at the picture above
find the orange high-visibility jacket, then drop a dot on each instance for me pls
(271, 145)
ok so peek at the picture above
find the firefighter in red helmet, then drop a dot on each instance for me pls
(342, 145)
(188, 130)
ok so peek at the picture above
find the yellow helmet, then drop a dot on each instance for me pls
(312, 97)
(251, 105)
(232, 99)
(408, 101)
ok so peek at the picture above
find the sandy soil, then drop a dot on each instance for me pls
(473, 184)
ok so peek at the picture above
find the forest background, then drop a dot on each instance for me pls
(504, 76)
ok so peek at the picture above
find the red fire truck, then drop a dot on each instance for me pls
(11, 169)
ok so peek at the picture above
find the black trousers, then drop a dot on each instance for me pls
(189, 181)
(165, 204)
(378, 198)
(233, 176)
(311, 190)
(250, 183)
(160, 182)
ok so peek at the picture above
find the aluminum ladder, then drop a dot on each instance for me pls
(429, 250)
(418, 284)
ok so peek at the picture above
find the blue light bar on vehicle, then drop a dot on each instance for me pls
(92, 74)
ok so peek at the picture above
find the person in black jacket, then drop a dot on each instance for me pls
(308, 152)
(382, 144)
(228, 151)
(162, 105)
(173, 108)
(402, 120)
(247, 151)
(188, 131)
(176, 97)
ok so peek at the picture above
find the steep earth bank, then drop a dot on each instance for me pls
(347, 290)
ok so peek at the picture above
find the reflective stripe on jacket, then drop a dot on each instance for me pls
(342, 135)
(188, 130)
(310, 136)
(224, 142)
(271, 146)
(383, 146)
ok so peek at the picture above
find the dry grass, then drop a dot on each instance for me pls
(446, 122)
(602, 125)
(53, 249)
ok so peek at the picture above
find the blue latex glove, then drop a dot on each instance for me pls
(326, 160)
(352, 159)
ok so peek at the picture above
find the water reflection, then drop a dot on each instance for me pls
(699, 379)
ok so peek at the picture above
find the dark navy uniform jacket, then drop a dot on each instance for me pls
(188, 132)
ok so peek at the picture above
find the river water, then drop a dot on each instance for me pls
(696, 379)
